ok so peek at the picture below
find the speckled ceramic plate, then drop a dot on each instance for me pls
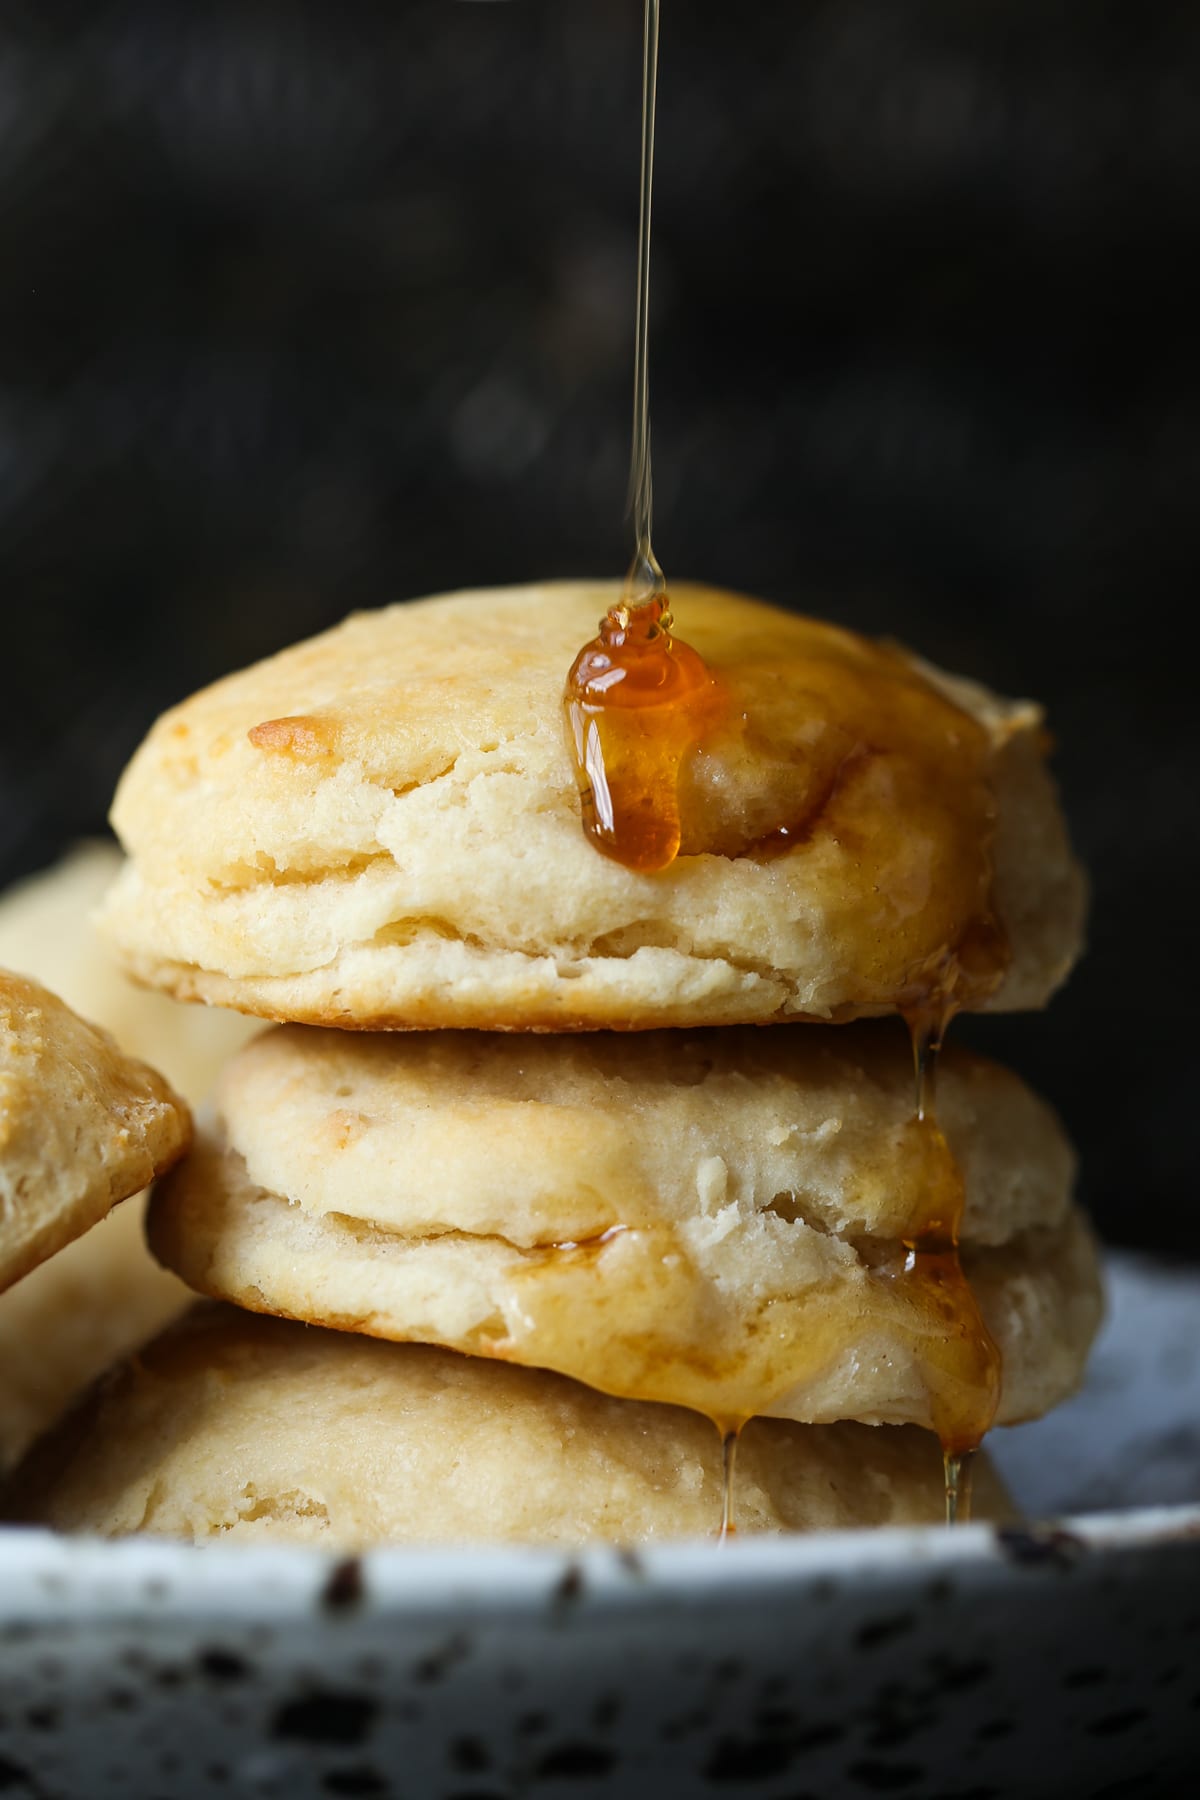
(1057, 1660)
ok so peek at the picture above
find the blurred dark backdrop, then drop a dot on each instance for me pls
(307, 305)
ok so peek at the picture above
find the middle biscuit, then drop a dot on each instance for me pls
(713, 1219)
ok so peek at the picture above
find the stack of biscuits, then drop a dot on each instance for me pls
(569, 1163)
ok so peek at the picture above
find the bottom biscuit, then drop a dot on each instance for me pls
(234, 1427)
(64, 1324)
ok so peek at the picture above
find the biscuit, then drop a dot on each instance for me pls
(82, 1126)
(104, 1293)
(60, 1327)
(712, 1219)
(46, 932)
(221, 1431)
(380, 828)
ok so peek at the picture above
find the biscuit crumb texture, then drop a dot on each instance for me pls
(380, 828)
(232, 1428)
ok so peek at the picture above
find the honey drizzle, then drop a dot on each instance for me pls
(637, 700)
(645, 579)
(963, 1406)
(637, 703)
(626, 1311)
(587, 1250)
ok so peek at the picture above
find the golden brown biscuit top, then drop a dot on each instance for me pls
(403, 783)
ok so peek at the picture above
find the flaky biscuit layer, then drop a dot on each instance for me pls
(634, 1318)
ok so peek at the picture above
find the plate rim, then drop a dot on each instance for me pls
(44, 1576)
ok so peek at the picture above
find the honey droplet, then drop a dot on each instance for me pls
(958, 1486)
(962, 1362)
(729, 1446)
(637, 701)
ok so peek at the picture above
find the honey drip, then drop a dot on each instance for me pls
(632, 1307)
(958, 1487)
(630, 1312)
(637, 700)
(963, 1369)
(729, 1447)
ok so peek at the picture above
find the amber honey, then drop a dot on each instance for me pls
(832, 761)
(729, 1446)
(631, 1311)
(637, 702)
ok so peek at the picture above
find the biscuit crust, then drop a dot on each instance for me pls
(380, 829)
(68, 1319)
(628, 1322)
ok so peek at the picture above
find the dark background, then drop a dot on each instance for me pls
(306, 306)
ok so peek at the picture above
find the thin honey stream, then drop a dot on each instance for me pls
(637, 699)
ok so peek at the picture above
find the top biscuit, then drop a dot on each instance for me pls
(380, 828)
(82, 1126)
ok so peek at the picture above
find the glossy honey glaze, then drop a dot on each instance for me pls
(833, 760)
(637, 703)
(638, 700)
(642, 1312)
